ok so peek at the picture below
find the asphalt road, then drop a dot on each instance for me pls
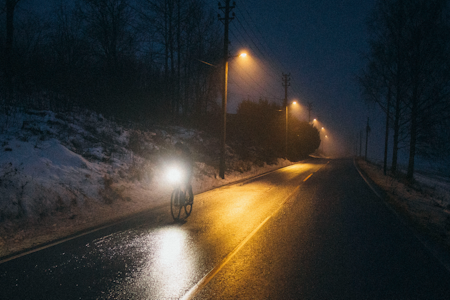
(309, 231)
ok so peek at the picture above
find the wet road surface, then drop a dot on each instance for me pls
(309, 231)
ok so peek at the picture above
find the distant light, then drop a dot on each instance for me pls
(295, 102)
(315, 120)
(243, 54)
(323, 128)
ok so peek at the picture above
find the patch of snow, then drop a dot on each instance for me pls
(51, 162)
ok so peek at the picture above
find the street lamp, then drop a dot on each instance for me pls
(287, 127)
(224, 112)
(325, 136)
(224, 108)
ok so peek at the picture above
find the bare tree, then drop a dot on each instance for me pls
(409, 61)
(9, 9)
(185, 32)
(67, 56)
(384, 79)
(109, 26)
(428, 70)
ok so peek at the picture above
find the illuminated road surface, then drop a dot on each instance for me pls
(309, 231)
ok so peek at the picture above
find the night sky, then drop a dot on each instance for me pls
(320, 43)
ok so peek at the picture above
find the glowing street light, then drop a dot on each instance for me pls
(224, 108)
(287, 127)
(323, 144)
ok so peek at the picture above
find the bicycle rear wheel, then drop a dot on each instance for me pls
(175, 204)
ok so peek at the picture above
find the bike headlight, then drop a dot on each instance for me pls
(174, 175)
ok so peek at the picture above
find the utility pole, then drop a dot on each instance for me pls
(226, 20)
(367, 137)
(309, 111)
(286, 83)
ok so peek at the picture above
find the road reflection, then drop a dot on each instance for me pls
(158, 263)
(169, 250)
(170, 269)
(166, 262)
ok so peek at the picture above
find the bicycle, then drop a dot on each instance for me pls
(181, 199)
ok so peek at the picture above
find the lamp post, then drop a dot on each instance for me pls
(226, 20)
(287, 127)
(224, 112)
(322, 144)
(224, 121)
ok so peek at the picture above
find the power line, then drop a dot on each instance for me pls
(262, 40)
(256, 82)
(270, 63)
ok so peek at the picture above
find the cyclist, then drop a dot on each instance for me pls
(184, 158)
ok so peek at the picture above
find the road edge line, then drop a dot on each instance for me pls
(435, 250)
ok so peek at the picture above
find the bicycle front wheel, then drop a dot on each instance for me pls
(175, 204)
(190, 201)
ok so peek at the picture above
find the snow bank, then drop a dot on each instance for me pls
(38, 177)
(61, 163)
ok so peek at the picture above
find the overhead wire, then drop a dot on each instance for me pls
(269, 62)
(253, 42)
(263, 40)
(243, 70)
(261, 62)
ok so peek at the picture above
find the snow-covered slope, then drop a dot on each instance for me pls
(71, 163)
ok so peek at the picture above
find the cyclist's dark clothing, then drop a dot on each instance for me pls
(185, 160)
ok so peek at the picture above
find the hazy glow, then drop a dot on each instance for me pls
(243, 54)
(248, 79)
(174, 174)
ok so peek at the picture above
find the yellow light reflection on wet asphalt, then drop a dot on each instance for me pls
(167, 260)
(159, 264)
(170, 270)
